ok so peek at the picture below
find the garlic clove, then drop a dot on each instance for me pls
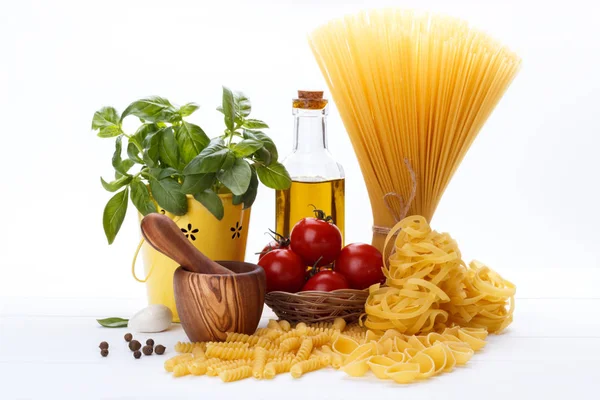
(151, 319)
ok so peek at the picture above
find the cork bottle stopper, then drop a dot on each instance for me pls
(310, 95)
(310, 99)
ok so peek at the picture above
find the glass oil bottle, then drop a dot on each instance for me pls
(317, 179)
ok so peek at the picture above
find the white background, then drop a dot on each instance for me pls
(525, 196)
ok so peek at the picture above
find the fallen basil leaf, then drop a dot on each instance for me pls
(113, 322)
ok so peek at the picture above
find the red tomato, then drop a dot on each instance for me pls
(361, 264)
(326, 281)
(273, 245)
(313, 238)
(284, 270)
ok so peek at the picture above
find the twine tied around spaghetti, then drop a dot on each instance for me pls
(404, 206)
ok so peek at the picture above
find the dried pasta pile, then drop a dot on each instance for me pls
(429, 287)
(279, 348)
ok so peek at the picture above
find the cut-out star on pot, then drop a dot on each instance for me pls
(236, 231)
(189, 232)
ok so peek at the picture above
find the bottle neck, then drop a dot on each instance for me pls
(310, 130)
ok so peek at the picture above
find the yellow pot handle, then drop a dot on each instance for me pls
(135, 256)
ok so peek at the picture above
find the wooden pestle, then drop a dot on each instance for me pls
(166, 237)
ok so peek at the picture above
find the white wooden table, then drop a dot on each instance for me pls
(49, 349)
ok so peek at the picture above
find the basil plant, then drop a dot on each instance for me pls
(167, 158)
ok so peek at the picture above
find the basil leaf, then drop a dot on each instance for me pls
(143, 131)
(268, 145)
(236, 178)
(242, 105)
(274, 176)
(168, 195)
(250, 195)
(247, 147)
(122, 166)
(228, 108)
(168, 150)
(188, 109)
(140, 197)
(152, 148)
(198, 183)
(113, 322)
(152, 109)
(209, 160)
(114, 214)
(106, 120)
(116, 184)
(212, 202)
(109, 131)
(162, 173)
(191, 139)
(133, 153)
(254, 124)
(106, 116)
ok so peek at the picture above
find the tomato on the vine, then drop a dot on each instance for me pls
(361, 264)
(316, 240)
(284, 270)
(326, 281)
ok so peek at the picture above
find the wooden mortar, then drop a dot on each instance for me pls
(212, 298)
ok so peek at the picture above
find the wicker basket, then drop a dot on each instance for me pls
(317, 306)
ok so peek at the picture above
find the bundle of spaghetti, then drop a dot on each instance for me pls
(412, 86)
(428, 286)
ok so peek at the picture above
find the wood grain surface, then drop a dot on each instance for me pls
(209, 306)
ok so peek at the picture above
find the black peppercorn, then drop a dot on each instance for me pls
(134, 345)
(103, 345)
(128, 337)
(159, 349)
(137, 354)
(104, 352)
(147, 350)
(150, 342)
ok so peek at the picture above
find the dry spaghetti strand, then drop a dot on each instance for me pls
(410, 86)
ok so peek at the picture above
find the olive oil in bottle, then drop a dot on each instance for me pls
(317, 179)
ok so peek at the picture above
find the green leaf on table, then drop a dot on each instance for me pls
(254, 124)
(168, 149)
(116, 184)
(106, 121)
(151, 109)
(268, 153)
(198, 183)
(250, 195)
(167, 193)
(120, 165)
(133, 153)
(140, 197)
(242, 105)
(246, 147)
(209, 160)
(114, 214)
(113, 322)
(228, 108)
(191, 139)
(237, 177)
(274, 176)
(212, 202)
(188, 109)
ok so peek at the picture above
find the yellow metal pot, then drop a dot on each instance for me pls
(219, 240)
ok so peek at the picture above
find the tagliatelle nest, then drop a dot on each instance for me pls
(318, 306)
